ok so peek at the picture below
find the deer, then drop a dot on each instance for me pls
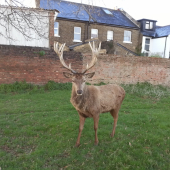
(89, 100)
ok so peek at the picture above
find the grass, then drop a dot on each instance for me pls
(39, 128)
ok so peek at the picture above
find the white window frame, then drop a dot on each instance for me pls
(108, 35)
(56, 28)
(96, 33)
(77, 33)
(147, 44)
(125, 41)
(149, 25)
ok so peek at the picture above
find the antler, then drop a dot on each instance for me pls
(59, 52)
(95, 53)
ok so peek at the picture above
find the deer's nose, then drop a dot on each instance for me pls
(79, 91)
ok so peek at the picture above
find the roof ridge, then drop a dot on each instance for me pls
(129, 17)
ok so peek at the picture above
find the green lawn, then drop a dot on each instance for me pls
(38, 130)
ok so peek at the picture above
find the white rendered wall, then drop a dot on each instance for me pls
(26, 3)
(41, 21)
(157, 46)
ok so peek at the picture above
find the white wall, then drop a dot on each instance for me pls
(157, 46)
(26, 3)
(41, 21)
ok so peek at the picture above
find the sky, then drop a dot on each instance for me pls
(138, 9)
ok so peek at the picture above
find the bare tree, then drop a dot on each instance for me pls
(14, 15)
(26, 21)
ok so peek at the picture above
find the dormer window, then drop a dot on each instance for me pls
(149, 25)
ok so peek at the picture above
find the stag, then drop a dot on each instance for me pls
(89, 100)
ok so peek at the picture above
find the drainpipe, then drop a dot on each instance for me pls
(165, 46)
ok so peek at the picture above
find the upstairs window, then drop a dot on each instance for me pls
(77, 34)
(94, 33)
(109, 35)
(56, 29)
(127, 37)
(149, 25)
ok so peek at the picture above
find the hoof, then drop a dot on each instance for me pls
(112, 135)
(77, 145)
(96, 143)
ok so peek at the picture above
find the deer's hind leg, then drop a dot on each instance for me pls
(114, 113)
(96, 121)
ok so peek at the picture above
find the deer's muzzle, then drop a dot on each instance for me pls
(79, 92)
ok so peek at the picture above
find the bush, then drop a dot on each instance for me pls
(15, 87)
(147, 89)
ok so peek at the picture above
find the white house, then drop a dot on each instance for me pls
(24, 25)
(155, 39)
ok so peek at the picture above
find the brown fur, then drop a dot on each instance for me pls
(95, 100)
(90, 101)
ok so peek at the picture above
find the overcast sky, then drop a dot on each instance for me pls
(138, 9)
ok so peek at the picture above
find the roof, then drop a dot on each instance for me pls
(82, 12)
(159, 32)
(162, 31)
(146, 20)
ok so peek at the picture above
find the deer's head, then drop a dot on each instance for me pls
(78, 79)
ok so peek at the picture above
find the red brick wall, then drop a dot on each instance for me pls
(130, 70)
(25, 63)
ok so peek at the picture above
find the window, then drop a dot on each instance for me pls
(56, 29)
(149, 25)
(107, 11)
(109, 35)
(94, 33)
(127, 36)
(147, 44)
(77, 34)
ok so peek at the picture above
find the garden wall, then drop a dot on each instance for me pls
(34, 65)
(130, 69)
(38, 66)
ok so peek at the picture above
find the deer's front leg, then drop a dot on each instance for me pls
(96, 121)
(81, 126)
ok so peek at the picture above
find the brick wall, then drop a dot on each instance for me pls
(130, 70)
(26, 63)
(118, 35)
(66, 32)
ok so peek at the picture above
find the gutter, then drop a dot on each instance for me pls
(165, 46)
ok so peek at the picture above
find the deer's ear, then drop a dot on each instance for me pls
(89, 75)
(67, 75)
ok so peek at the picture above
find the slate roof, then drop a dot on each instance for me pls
(162, 31)
(149, 34)
(159, 32)
(82, 12)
